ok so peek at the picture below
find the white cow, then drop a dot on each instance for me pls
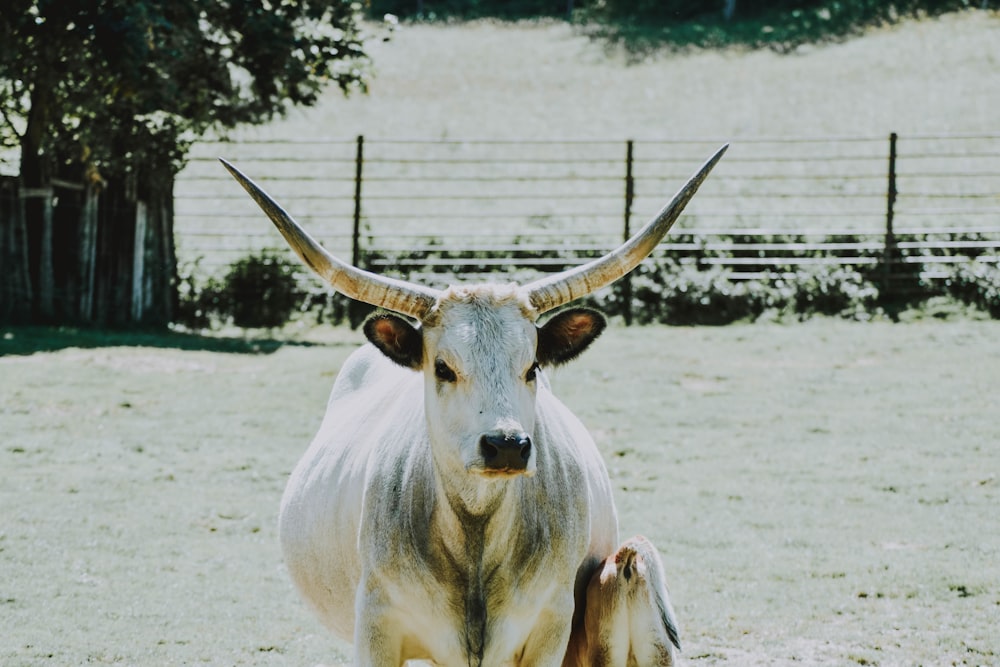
(451, 508)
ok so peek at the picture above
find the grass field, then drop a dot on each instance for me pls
(544, 81)
(822, 493)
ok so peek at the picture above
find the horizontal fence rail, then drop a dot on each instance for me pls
(771, 205)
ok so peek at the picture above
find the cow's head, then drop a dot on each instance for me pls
(481, 354)
(479, 347)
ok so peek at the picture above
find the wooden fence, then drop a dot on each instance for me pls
(772, 205)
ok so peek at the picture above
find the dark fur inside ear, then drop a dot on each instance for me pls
(396, 338)
(567, 334)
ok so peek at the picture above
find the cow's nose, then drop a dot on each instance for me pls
(503, 451)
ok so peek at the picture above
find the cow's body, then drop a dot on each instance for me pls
(458, 572)
(450, 507)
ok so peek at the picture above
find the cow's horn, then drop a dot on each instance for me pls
(381, 291)
(553, 291)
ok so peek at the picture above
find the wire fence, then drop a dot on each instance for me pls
(770, 202)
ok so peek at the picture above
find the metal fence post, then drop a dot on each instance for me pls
(889, 251)
(626, 285)
(359, 161)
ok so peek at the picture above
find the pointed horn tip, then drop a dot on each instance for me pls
(229, 166)
(719, 153)
(248, 184)
(707, 167)
(541, 290)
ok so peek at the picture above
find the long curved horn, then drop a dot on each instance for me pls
(553, 291)
(381, 291)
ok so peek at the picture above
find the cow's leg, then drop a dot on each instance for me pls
(377, 642)
(546, 645)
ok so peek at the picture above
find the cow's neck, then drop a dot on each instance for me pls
(475, 497)
(475, 533)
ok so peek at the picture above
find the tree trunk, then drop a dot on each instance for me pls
(36, 203)
(16, 296)
(729, 10)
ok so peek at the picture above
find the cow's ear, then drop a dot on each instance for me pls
(396, 338)
(567, 334)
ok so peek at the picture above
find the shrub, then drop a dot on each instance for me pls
(197, 301)
(333, 307)
(260, 290)
(668, 292)
(976, 284)
(837, 290)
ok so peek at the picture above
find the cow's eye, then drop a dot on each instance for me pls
(532, 373)
(443, 372)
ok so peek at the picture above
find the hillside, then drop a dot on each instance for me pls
(539, 80)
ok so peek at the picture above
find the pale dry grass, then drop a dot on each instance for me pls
(822, 494)
(543, 81)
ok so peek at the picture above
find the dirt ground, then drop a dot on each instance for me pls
(822, 493)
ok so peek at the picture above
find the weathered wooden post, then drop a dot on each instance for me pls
(89, 222)
(889, 251)
(359, 161)
(139, 294)
(16, 290)
(40, 242)
(357, 311)
(626, 283)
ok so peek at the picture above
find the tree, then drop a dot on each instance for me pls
(102, 99)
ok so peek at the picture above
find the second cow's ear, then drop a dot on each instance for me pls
(396, 338)
(567, 334)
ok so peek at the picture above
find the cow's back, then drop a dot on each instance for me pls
(374, 405)
(374, 426)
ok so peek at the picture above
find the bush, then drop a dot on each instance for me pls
(197, 302)
(261, 290)
(328, 306)
(976, 284)
(668, 292)
(836, 290)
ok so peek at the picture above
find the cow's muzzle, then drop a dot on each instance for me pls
(505, 452)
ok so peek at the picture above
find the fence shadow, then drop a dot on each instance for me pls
(27, 340)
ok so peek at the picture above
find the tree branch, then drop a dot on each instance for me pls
(10, 124)
(15, 94)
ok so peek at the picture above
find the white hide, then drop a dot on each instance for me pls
(399, 543)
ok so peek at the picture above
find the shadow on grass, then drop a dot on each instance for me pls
(25, 340)
(782, 31)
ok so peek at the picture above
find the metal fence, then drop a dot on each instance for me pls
(770, 202)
